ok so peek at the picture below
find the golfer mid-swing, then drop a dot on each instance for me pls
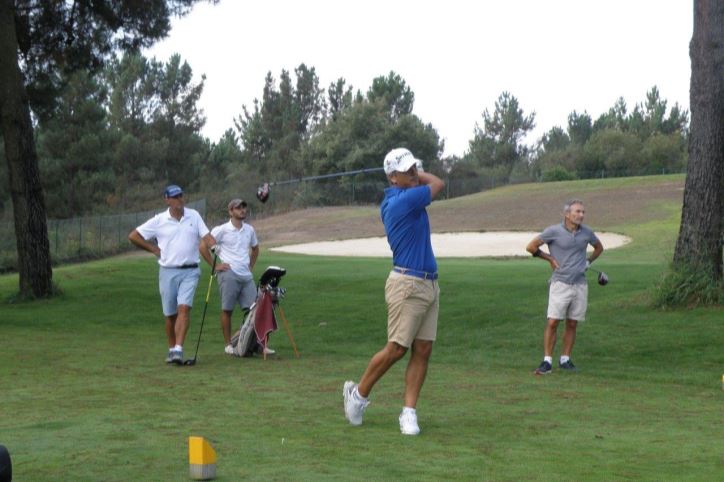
(411, 291)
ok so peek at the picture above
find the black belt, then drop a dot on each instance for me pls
(415, 273)
(184, 266)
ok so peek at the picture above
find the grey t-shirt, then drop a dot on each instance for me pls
(569, 249)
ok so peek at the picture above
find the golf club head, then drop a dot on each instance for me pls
(190, 362)
(262, 194)
(602, 278)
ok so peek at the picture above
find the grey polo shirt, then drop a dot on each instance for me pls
(569, 249)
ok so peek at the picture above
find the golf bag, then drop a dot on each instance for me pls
(260, 321)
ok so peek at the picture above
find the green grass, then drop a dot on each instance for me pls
(86, 396)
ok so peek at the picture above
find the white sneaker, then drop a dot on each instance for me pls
(229, 350)
(268, 351)
(408, 423)
(354, 408)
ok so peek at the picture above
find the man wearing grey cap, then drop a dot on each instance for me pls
(177, 231)
(411, 291)
(238, 249)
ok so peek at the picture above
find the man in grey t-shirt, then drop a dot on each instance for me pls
(568, 294)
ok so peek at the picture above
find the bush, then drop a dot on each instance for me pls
(557, 173)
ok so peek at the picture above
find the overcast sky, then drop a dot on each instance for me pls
(458, 56)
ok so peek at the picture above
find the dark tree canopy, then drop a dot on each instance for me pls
(41, 43)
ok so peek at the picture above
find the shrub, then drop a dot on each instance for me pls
(557, 173)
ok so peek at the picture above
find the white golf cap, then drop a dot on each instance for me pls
(400, 160)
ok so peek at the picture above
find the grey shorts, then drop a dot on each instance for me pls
(235, 290)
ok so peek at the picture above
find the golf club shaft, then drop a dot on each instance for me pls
(594, 270)
(206, 304)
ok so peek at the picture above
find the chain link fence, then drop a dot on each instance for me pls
(84, 237)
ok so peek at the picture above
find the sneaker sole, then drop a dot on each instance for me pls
(539, 372)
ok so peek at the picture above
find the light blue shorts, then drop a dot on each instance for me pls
(177, 287)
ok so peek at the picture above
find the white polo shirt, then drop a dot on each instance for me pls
(177, 239)
(233, 246)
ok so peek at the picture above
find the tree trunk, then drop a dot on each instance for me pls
(31, 231)
(701, 234)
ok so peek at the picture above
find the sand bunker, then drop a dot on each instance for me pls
(446, 245)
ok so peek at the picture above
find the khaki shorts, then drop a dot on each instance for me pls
(567, 302)
(412, 308)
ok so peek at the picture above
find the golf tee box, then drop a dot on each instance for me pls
(202, 459)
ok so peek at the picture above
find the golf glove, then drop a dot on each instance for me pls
(214, 249)
(588, 265)
(418, 165)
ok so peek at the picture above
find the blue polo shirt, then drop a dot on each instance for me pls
(408, 227)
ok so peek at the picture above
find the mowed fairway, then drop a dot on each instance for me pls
(85, 394)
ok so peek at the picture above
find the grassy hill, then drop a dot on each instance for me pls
(611, 204)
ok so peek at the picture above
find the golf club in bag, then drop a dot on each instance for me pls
(602, 277)
(261, 319)
(192, 361)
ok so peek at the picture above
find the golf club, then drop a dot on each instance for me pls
(192, 361)
(602, 277)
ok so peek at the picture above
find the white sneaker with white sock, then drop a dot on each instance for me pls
(408, 422)
(354, 404)
(229, 350)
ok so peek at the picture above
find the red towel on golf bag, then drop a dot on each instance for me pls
(264, 321)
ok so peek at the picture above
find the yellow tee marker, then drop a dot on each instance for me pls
(202, 459)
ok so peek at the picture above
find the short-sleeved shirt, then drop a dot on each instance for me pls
(233, 246)
(408, 227)
(569, 249)
(177, 239)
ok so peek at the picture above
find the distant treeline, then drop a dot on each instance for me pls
(112, 141)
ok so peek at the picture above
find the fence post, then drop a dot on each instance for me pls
(80, 234)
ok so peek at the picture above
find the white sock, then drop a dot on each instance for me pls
(178, 348)
(409, 410)
(358, 395)
(564, 358)
(549, 359)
